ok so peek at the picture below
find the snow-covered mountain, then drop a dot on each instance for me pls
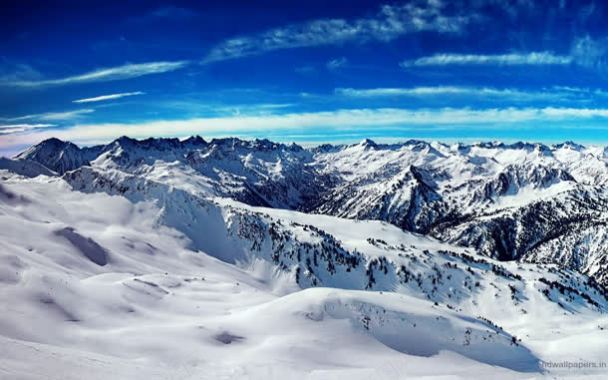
(506, 201)
(163, 258)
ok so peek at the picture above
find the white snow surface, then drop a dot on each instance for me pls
(171, 280)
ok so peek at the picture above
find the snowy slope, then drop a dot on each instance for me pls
(186, 259)
(24, 167)
(153, 308)
(67, 309)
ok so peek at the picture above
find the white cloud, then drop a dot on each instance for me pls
(389, 23)
(17, 128)
(12, 71)
(339, 120)
(589, 52)
(585, 113)
(336, 63)
(66, 115)
(533, 58)
(132, 70)
(585, 51)
(250, 109)
(411, 91)
(108, 97)
(486, 92)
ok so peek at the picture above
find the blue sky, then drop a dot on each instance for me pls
(315, 71)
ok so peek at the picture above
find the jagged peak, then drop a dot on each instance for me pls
(256, 144)
(158, 143)
(54, 143)
(55, 154)
(230, 142)
(521, 145)
(416, 145)
(489, 144)
(533, 146)
(264, 144)
(123, 141)
(325, 148)
(368, 143)
(416, 142)
(569, 145)
(295, 147)
(160, 140)
(195, 140)
(49, 146)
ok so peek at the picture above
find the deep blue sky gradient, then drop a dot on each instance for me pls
(299, 86)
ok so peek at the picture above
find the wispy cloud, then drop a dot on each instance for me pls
(251, 109)
(394, 91)
(67, 115)
(305, 70)
(173, 12)
(338, 120)
(132, 70)
(12, 71)
(590, 52)
(585, 51)
(53, 116)
(336, 63)
(485, 92)
(533, 58)
(18, 128)
(108, 97)
(389, 23)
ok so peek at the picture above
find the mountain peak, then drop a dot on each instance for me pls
(194, 141)
(571, 145)
(368, 143)
(50, 143)
(490, 144)
(54, 141)
(124, 140)
(47, 146)
(55, 154)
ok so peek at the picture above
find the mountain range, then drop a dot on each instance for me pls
(442, 253)
(525, 202)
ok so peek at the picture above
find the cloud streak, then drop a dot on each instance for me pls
(336, 63)
(17, 128)
(102, 98)
(54, 116)
(338, 120)
(389, 23)
(128, 71)
(512, 59)
(463, 91)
